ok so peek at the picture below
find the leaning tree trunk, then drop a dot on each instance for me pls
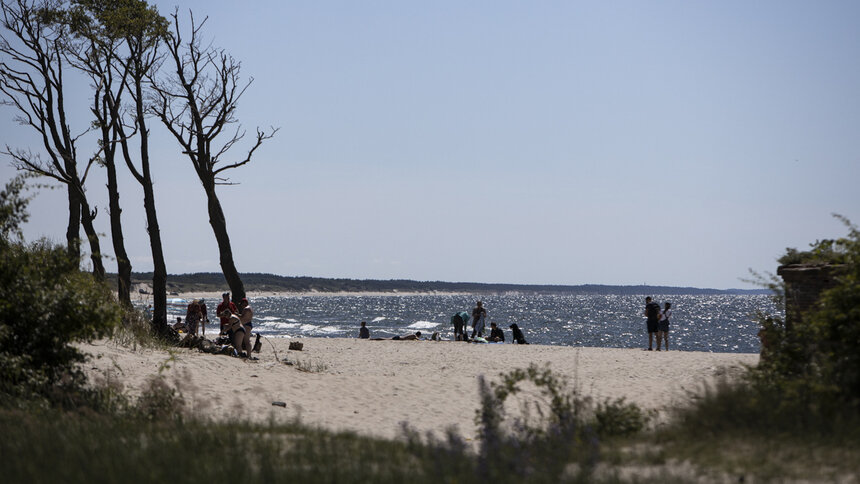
(219, 227)
(122, 262)
(87, 217)
(73, 232)
(159, 273)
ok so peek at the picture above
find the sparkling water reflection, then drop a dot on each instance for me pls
(719, 323)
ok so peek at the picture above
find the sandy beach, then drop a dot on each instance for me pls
(372, 386)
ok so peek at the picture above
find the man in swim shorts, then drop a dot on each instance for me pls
(652, 315)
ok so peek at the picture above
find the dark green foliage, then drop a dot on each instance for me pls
(619, 418)
(818, 360)
(833, 330)
(13, 209)
(826, 251)
(116, 19)
(46, 304)
(807, 382)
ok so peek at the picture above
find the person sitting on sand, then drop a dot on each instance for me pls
(363, 332)
(496, 333)
(235, 331)
(518, 335)
(226, 304)
(179, 325)
(245, 315)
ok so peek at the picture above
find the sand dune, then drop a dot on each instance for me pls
(372, 386)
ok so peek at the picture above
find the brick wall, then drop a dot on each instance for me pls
(803, 286)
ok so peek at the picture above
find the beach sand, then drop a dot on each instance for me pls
(370, 387)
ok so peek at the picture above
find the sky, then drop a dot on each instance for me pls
(679, 143)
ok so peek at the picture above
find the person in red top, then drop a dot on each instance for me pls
(225, 304)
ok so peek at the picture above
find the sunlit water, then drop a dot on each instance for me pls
(718, 323)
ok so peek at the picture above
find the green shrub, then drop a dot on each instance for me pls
(807, 381)
(827, 251)
(619, 418)
(557, 429)
(818, 360)
(46, 304)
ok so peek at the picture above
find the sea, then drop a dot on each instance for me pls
(724, 323)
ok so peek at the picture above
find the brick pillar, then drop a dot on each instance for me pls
(804, 284)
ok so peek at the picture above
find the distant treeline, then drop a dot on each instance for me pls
(214, 281)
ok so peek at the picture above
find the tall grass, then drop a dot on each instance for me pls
(137, 332)
(95, 448)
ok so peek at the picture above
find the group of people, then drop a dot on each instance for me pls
(236, 324)
(479, 316)
(460, 321)
(657, 322)
(196, 317)
(235, 327)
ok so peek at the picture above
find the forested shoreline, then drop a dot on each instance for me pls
(256, 282)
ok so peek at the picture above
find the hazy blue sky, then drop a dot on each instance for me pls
(676, 143)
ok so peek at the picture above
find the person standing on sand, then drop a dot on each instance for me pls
(363, 332)
(192, 317)
(204, 315)
(245, 316)
(663, 326)
(459, 321)
(226, 305)
(652, 313)
(479, 315)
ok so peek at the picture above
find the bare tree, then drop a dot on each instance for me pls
(143, 30)
(94, 51)
(197, 104)
(31, 81)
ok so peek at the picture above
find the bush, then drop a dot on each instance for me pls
(819, 360)
(619, 418)
(808, 378)
(555, 427)
(46, 304)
